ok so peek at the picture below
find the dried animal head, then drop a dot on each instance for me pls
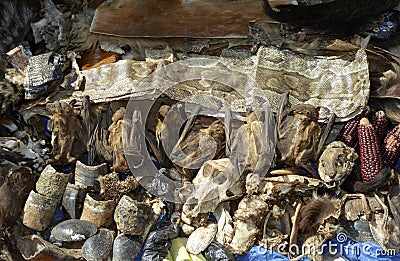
(215, 182)
(298, 125)
(116, 141)
(336, 162)
(199, 142)
(299, 134)
(253, 144)
(68, 133)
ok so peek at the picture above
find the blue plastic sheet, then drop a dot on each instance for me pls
(45, 122)
(348, 249)
(258, 253)
(397, 167)
(58, 215)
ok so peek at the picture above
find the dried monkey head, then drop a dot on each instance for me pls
(67, 135)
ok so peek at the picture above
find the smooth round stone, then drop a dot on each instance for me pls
(201, 238)
(126, 247)
(73, 230)
(98, 247)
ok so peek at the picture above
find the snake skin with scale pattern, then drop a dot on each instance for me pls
(334, 84)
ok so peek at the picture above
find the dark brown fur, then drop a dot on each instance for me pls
(15, 19)
(342, 16)
(314, 213)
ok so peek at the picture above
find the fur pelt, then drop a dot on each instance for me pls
(343, 16)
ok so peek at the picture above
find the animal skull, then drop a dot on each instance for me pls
(215, 182)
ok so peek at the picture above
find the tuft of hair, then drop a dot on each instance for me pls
(314, 214)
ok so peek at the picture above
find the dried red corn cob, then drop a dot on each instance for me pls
(348, 134)
(380, 123)
(391, 148)
(370, 155)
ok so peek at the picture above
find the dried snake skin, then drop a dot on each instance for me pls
(338, 85)
(43, 69)
(335, 84)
